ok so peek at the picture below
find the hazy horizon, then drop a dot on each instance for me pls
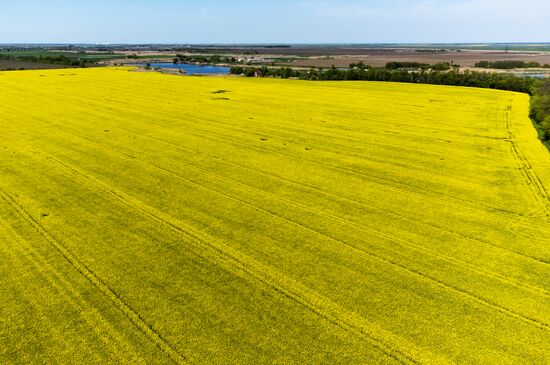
(286, 22)
(249, 44)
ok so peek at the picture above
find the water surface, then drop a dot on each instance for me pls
(194, 69)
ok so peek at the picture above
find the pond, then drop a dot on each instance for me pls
(194, 69)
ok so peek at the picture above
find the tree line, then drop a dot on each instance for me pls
(184, 59)
(509, 65)
(54, 60)
(540, 107)
(442, 66)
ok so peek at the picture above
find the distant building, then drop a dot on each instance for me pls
(261, 60)
(255, 60)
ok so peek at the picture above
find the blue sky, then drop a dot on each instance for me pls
(282, 21)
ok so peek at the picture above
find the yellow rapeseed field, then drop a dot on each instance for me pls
(148, 218)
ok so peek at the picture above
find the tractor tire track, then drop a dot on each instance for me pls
(534, 183)
(502, 215)
(243, 260)
(389, 187)
(475, 268)
(130, 313)
(108, 335)
(227, 257)
(33, 306)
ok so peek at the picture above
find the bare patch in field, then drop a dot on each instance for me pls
(462, 58)
(18, 65)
